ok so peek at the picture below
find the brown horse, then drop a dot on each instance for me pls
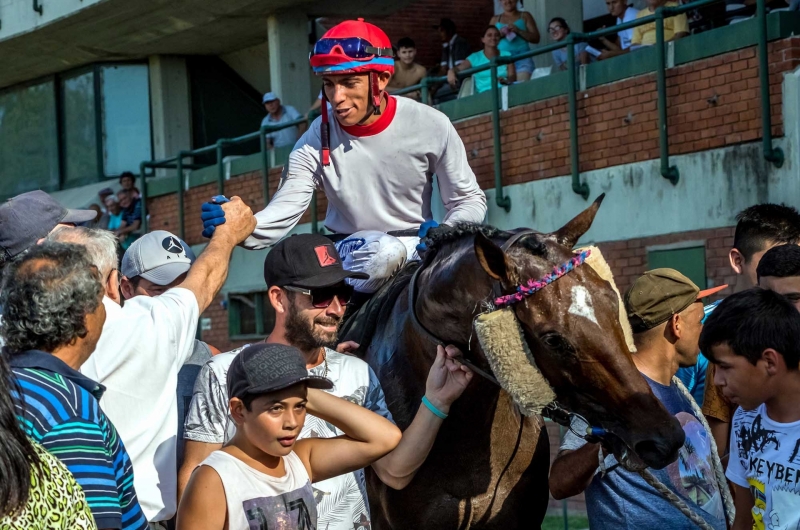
(489, 466)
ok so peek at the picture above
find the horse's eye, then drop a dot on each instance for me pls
(555, 341)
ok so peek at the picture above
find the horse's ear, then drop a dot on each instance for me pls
(570, 233)
(491, 257)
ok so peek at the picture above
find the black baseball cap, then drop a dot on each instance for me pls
(306, 260)
(27, 218)
(263, 368)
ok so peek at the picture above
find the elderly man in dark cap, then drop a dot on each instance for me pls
(25, 220)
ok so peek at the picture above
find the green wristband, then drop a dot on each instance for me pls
(432, 408)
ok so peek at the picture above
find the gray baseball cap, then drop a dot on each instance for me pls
(159, 257)
(27, 218)
(269, 96)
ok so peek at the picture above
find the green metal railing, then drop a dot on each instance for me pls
(772, 154)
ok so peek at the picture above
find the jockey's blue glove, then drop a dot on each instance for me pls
(423, 232)
(213, 215)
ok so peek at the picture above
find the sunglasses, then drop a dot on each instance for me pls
(322, 297)
(554, 29)
(353, 47)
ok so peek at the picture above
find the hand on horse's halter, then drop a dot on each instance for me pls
(447, 378)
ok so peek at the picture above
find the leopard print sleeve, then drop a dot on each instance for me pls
(55, 500)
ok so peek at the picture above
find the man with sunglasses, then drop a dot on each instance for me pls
(374, 155)
(307, 290)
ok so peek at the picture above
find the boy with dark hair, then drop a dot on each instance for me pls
(406, 71)
(759, 228)
(753, 339)
(265, 473)
(779, 271)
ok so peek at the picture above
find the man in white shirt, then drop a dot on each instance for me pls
(374, 155)
(143, 346)
(307, 291)
(624, 13)
(278, 114)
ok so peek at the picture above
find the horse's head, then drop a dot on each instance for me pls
(573, 328)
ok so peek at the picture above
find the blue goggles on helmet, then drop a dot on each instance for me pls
(353, 47)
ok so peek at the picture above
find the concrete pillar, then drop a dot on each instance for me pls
(170, 106)
(544, 10)
(287, 34)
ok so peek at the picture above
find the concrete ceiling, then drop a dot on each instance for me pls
(114, 30)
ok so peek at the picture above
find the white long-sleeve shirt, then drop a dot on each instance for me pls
(380, 176)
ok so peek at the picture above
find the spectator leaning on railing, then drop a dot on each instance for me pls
(559, 29)
(406, 71)
(674, 27)
(623, 13)
(131, 217)
(278, 114)
(455, 49)
(506, 74)
(128, 182)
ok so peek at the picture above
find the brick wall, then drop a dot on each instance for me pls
(711, 103)
(417, 20)
(628, 259)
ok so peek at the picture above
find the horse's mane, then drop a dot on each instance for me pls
(444, 234)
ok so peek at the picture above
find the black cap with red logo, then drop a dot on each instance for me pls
(308, 261)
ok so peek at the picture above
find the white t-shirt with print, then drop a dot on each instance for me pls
(138, 356)
(765, 458)
(341, 501)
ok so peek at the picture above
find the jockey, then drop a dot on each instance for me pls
(374, 155)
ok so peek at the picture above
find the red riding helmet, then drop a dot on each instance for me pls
(354, 46)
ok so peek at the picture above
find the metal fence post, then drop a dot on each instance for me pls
(424, 91)
(179, 169)
(220, 168)
(581, 188)
(262, 142)
(314, 220)
(670, 173)
(502, 201)
(771, 154)
(142, 170)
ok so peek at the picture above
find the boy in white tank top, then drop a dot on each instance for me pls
(264, 474)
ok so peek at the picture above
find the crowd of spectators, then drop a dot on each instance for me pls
(105, 348)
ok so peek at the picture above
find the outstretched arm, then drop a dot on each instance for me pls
(288, 204)
(572, 471)
(462, 197)
(447, 380)
(367, 438)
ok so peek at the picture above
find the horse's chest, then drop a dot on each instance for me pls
(492, 474)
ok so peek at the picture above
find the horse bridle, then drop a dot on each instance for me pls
(554, 410)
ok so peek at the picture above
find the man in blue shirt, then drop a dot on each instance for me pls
(53, 316)
(278, 114)
(665, 311)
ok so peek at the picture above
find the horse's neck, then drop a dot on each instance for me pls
(449, 294)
